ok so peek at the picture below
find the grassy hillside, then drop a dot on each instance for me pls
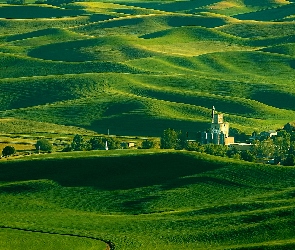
(137, 68)
(140, 66)
(151, 199)
(15, 239)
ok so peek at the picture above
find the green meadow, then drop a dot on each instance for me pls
(146, 199)
(135, 68)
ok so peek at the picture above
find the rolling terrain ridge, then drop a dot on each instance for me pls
(182, 56)
(150, 200)
(137, 68)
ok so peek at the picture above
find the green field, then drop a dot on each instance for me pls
(135, 68)
(147, 199)
(139, 67)
(16, 239)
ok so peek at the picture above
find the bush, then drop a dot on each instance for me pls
(8, 150)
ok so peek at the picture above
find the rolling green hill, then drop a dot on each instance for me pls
(150, 200)
(78, 64)
(137, 68)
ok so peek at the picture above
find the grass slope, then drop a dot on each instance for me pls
(137, 68)
(272, 14)
(154, 64)
(151, 199)
(145, 107)
(12, 239)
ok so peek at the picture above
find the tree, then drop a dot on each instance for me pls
(78, 143)
(171, 139)
(248, 156)
(289, 161)
(43, 145)
(8, 150)
(21, 2)
(233, 153)
(113, 143)
(150, 143)
(292, 148)
(97, 143)
(265, 148)
(194, 146)
(238, 135)
(213, 149)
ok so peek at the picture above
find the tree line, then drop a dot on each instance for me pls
(279, 148)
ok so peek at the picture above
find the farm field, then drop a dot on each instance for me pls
(148, 199)
(134, 68)
(138, 67)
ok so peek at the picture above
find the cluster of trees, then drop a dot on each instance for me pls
(19, 2)
(95, 143)
(149, 143)
(41, 145)
(280, 148)
(78, 144)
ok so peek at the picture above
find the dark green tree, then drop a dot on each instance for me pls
(113, 142)
(282, 144)
(8, 150)
(97, 143)
(172, 139)
(289, 161)
(213, 149)
(232, 153)
(20, 2)
(194, 146)
(238, 135)
(78, 143)
(150, 143)
(248, 156)
(43, 145)
(265, 148)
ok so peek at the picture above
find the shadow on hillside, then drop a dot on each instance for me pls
(181, 182)
(111, 173)
(30, 12)
(140, 125)
(275, 99)
(173, 6)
